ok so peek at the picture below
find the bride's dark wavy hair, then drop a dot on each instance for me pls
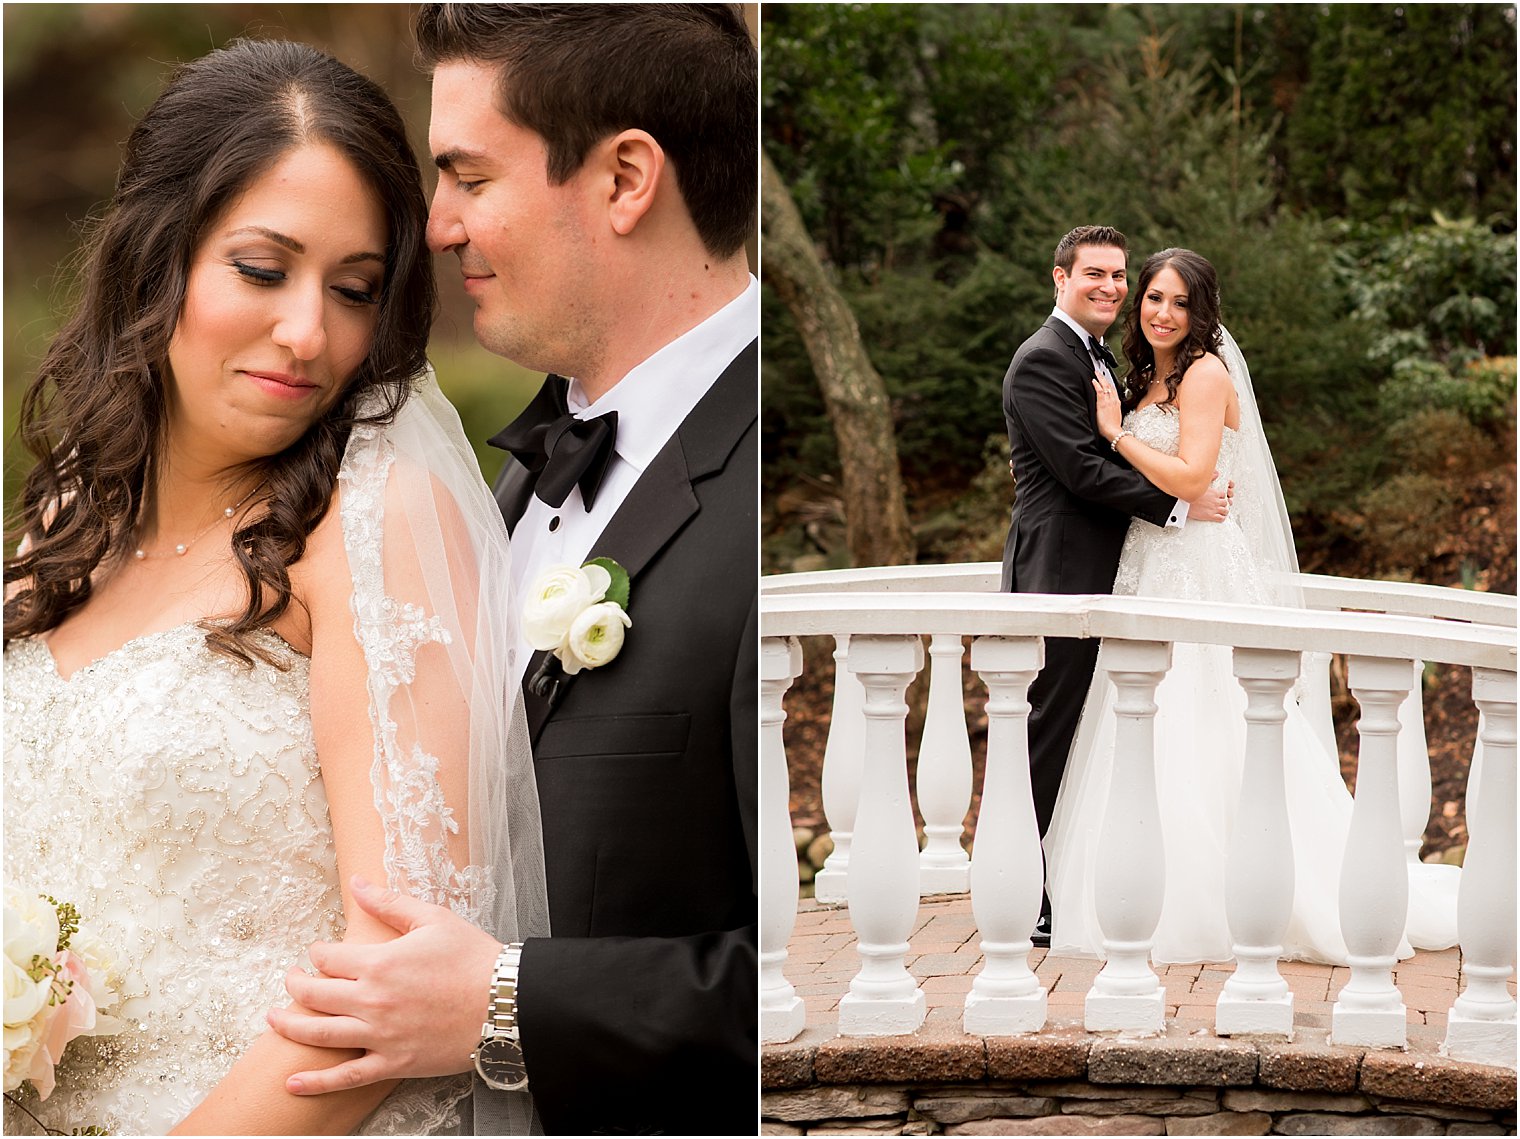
(95, 415)
(1202, 285)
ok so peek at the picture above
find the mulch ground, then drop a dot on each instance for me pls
(1451, 722)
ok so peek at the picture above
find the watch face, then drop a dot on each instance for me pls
(500, 1063)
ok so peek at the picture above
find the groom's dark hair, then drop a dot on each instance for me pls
(1066, 248)
(576, 73)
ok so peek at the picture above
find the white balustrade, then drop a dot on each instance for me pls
(1128, 878)
(1007, 868)
(781, 1010)
(843, 756)
(944, 773)
(1481, 1025)
(884, 999)
(1260, 872)
(1374, 887)
(879, 652)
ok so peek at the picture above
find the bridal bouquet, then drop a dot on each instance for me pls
(58, 979)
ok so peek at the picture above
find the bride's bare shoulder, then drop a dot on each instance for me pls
(1205, 378)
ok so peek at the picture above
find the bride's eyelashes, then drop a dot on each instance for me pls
(261, 275)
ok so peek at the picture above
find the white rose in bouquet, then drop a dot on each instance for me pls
(56, 978)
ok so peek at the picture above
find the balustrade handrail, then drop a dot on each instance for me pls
(1321, 591)
(1394, 636)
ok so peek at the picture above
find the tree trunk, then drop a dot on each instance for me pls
(876, 516)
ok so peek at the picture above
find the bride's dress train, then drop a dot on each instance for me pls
(1199, 751)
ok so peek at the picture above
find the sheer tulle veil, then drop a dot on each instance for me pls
(1258, 505)
(435, 615)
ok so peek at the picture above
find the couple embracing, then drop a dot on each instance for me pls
(277, 683)
(1155, 481)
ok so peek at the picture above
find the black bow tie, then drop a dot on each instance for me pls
(1100, 350)
(561, 450)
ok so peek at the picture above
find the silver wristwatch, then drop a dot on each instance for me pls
(498, 1057)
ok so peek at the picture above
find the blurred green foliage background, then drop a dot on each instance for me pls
(76, 78)
(1349, 169)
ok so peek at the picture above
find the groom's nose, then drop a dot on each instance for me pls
(445, 229)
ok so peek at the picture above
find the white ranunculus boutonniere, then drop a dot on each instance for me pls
(578, 615)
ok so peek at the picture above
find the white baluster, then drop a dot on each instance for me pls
(944, 773)
(782, 1014)
(1481, 1024)
(843, 757)
(1433, 888)
(884, 999)
(1474, 792)
(1006, 873)
(1315, 701)
(1259, 874)
(1414, 766)
(1374, 888)
(1127, 885)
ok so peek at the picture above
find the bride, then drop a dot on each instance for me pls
(1195, 423)
(257, 627)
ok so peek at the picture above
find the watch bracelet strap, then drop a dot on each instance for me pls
(502, 1017)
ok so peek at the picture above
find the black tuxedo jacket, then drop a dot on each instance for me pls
(638, 1014)
(1075, 495)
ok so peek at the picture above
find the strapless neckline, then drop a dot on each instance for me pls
(133, 644)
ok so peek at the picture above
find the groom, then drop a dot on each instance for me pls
(597, 181)
(1075, 495)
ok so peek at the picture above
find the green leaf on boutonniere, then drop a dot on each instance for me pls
(617, 592)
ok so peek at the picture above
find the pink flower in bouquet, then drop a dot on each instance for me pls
(56, 981)
(74, 1017)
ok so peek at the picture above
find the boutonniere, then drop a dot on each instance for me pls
(578, 615)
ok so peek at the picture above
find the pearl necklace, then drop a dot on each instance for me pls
(183, 548)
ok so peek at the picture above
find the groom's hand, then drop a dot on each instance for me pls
(415, 1004)
(1212, 505)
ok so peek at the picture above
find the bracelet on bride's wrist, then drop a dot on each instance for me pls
(1114, 442)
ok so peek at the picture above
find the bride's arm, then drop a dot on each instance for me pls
(1202, 400)
(252, 1098)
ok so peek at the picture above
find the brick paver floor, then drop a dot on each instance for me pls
(945, 957)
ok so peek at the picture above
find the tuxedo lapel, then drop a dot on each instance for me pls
(662, 502)
(1072, 341)
(513, 489)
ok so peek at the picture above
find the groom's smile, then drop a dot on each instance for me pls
(1092, 293)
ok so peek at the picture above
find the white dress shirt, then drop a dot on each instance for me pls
(651, 401)
(1178, 517)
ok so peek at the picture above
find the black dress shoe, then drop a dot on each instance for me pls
(1040, 938)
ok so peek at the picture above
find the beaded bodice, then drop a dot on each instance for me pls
(1203, 561)
(173, 795)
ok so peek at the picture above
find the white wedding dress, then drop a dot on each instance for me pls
(1200, 730)
(175, 797)
(1199, 749)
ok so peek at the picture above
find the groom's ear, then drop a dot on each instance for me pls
(636, 163)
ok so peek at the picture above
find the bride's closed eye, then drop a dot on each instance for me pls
(358, 293)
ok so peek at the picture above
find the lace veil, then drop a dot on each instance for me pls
(1258, 505)
(434, 615)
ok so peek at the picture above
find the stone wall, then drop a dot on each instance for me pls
(1070, 1083)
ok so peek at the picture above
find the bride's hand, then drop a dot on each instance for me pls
(1110, 414)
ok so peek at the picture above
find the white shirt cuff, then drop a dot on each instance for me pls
(1179, 515)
